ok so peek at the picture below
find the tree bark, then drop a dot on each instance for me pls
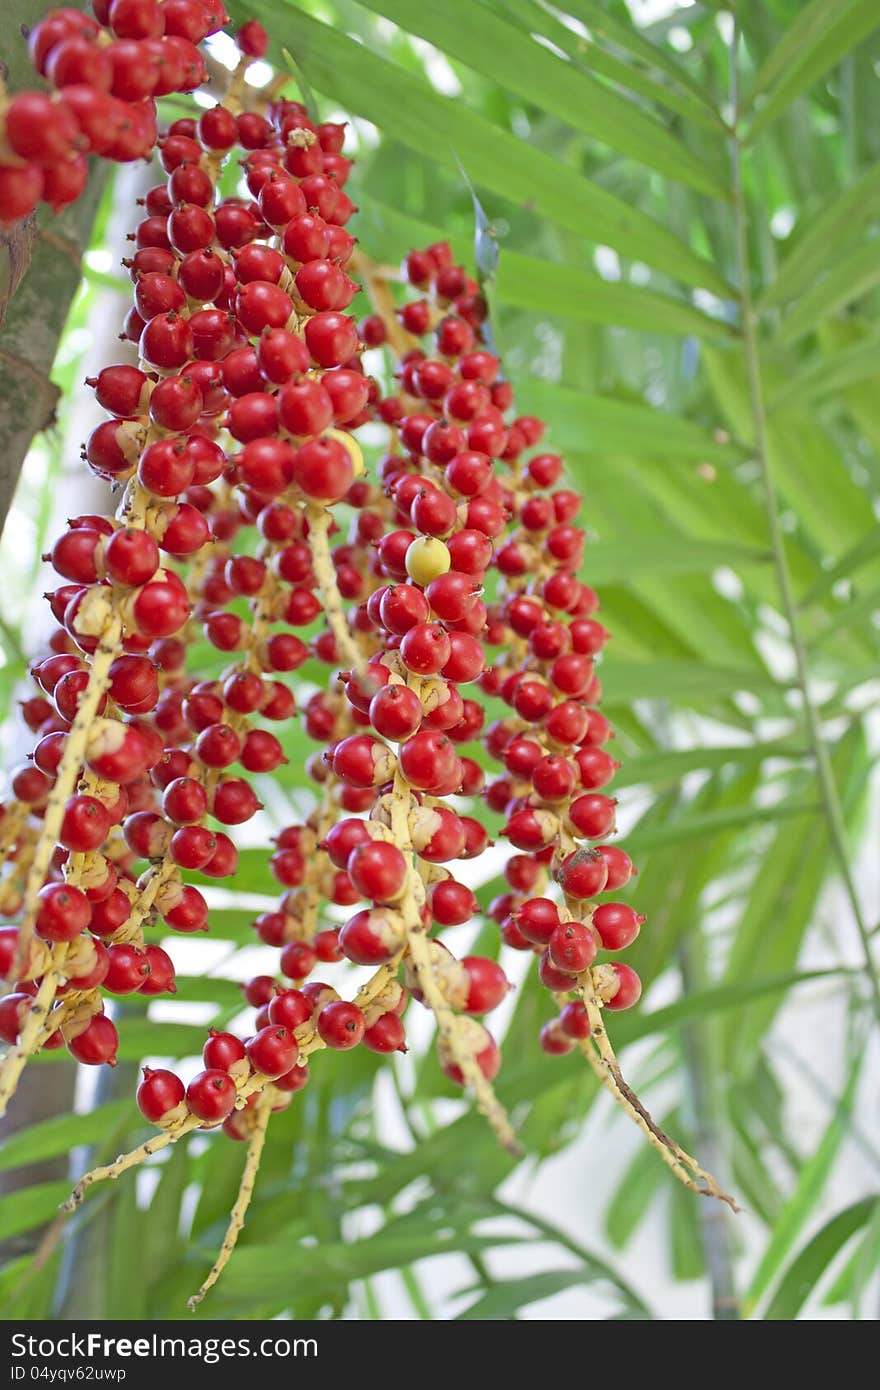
(39, 275)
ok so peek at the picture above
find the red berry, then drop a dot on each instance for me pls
(342, 838)
(629, 988)
(304, 408)
(127, 968)
(96, 1044)
(86, 824)
(63, 912)
(537, 918)
(235, 801)
(273, 1050)
(487, 984)
(378, 870)
(593, 815)
(395, 712)
(13, 1013)
(298, 960)
(290, 1008)
(387, 1034)
(222, 1050)
(572, 947)
(131, 556)
(554, 1038)
(617, 924)
(160, 979)
(41, 130)
(331, 338)
(619, 866)
(341, 1025)
(211, 1095)
(574, 1020)
(583, 874)
(252, 39)
(160, 1092)
(372, 937)
(192, 846)
(323, 470)
(554, 979)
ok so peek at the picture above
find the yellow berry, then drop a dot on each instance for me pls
(426, 558)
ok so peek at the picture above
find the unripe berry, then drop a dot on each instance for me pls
(426, 559)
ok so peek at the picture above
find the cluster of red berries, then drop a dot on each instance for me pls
(106, 72)
(152, 761)
(233, 441)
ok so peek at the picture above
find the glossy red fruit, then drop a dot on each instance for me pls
(41, 130)
(63, 912)
(395, 712)
(574, 1020)
(127, 970)
(96, 1044)
(289, 1009)
(629, 988)
(273, 1050)
(341, 1025)
(131, 556)
(618, 925)
(211, 1095)
(554, 979)
(583, 874)
(160, 979)
(487, 984)
(323, 470)
(222, 1050)
(13, 1013)
(372, 937)
(159, 1092)
(537, 918)
(378, 870)
(331, 338)
(619, 867)
(452, 903)
(386, 1035)
(572, 947)
(85, 825)
(297, 960)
